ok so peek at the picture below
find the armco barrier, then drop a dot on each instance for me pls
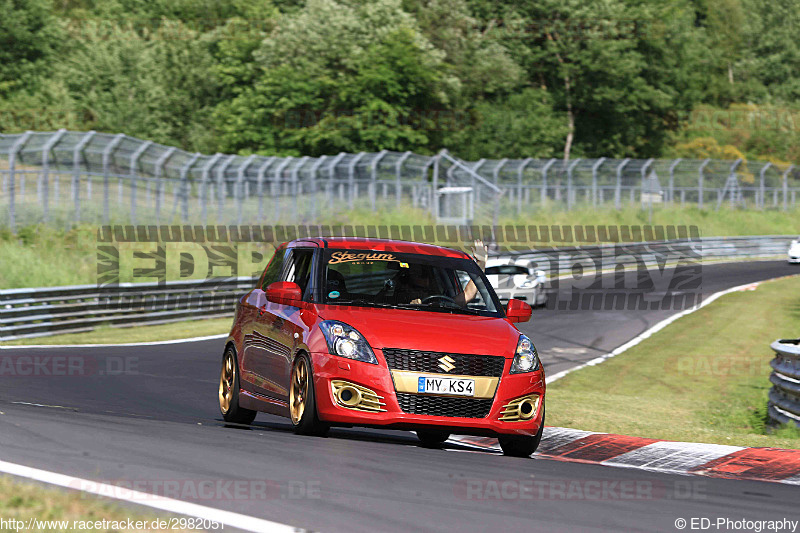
(784, 397)
(52, 310)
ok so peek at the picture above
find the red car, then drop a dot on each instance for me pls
(381, 333)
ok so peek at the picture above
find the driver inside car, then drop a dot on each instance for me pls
(415, 284)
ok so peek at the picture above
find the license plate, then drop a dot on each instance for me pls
(455, 386)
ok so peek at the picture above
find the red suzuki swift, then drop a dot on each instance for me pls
(380, 333)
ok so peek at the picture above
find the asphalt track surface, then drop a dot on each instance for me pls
(158, 421)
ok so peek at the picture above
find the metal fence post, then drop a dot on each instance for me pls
(12, 163)
(107, 151)
(204, 179)
(374, 177)
(435, 203)
(185, 186)
(761, 189)
(160, 180)
(570, 192)
(618, 188)
(785, 185)
(520, 171)
(430, 193)
(239, 190)
(734, 181)
(46, 149)
(700, 179)
(545, 170)
(475, 195)
(262, 170)
(313, 173)
(296, 183)
(351, 178)
(278, 174)
(221, 189)
(645, 167)
(672, 168)
(332, 176)
(76, 168)
(398, 170)
(497, 168)
(134, 176)
(595, 167)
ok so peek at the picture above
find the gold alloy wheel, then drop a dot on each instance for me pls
(227, 377)
(298, 391)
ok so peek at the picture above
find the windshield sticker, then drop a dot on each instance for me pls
(333, 294)
(403, 265)
(348, 257)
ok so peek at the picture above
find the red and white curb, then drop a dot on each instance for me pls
(712, 460)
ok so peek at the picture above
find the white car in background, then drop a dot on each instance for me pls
(794, 251)
(516, 280)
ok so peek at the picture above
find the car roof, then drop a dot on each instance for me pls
(383, 245)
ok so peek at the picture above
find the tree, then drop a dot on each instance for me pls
(339, 76)
(29, 36)
(521, 125)
(155, 88)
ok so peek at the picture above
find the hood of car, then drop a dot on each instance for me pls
(428, 330)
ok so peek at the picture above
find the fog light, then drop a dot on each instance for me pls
(349, 396)
(526, 409)
(353, 396)
(520, 409)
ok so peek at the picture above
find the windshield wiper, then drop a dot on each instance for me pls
(457, 308)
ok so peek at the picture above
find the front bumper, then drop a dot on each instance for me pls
(328, 368)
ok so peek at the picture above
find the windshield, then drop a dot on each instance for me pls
(406, 281)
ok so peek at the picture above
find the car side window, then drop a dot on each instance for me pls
(273, 270)
(298, 268)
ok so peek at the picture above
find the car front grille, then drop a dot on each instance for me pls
(442, 406)
(464, 364)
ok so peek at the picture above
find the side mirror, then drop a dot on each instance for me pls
(285, 293)
(518, 311)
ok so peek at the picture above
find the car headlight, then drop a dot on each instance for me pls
(525, 359)
(346, 341)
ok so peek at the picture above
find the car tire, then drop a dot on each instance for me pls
(303, 400)
(431, 438)
(229, 391)
(521, 446)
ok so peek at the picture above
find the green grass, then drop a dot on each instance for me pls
(711, 223)
(22, 501)
(705, 378)
(41, 256)
(161, 332)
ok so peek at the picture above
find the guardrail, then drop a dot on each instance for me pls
(52, 310)
(784, 396)
(610, 255)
